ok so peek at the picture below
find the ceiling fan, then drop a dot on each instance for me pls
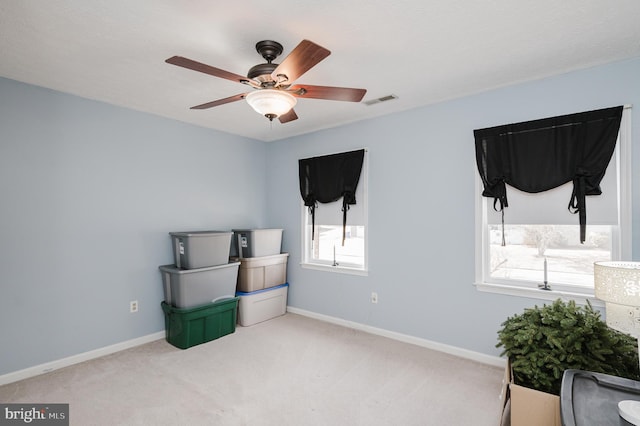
(274, 94)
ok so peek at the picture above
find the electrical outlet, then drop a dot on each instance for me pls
(133, 306)
(374, 297)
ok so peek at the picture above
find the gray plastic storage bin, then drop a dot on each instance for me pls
(201, 249)
(257, 242)
(189, 288)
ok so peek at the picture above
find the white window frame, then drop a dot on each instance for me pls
(621, 235)
(305, 221)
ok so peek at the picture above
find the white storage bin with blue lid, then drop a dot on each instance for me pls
(262, 305)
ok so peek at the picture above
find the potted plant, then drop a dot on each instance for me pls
(541, 343)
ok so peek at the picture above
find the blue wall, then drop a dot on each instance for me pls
(421, 207)
(88, 194)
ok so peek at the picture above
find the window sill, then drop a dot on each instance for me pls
(336, 269)
(535, 293)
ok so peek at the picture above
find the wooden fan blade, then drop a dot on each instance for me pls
(220, 101)
(207, 69)
(327, 92)
(290, 116)
(301, 59)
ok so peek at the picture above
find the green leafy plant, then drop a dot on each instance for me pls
(542, 343)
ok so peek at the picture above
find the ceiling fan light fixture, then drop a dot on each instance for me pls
(271, 103)
(274, 95)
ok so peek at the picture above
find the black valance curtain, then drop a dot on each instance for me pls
(539, 155)
(325, 179)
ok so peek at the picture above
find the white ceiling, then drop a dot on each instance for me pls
(422, 51)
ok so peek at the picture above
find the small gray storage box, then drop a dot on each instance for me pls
(257, 242)
(201, 249)
(189, 288)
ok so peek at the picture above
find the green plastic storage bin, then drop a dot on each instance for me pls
(189, 327)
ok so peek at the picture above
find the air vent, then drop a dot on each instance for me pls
(382, 99)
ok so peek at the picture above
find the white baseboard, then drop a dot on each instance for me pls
(452, 350)
(75, 359)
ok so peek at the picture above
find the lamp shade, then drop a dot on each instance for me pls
(270, 102)
(617, 282)
(623, 318)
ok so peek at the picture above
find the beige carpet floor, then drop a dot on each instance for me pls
(291, 370)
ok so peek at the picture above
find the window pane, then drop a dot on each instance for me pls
(329, 238)
(568, 261)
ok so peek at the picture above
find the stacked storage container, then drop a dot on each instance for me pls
(262, 279)
(199, 289)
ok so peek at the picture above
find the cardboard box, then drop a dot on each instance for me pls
(529, 407)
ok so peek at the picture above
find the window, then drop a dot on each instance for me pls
(325, 249)
(538, 227)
